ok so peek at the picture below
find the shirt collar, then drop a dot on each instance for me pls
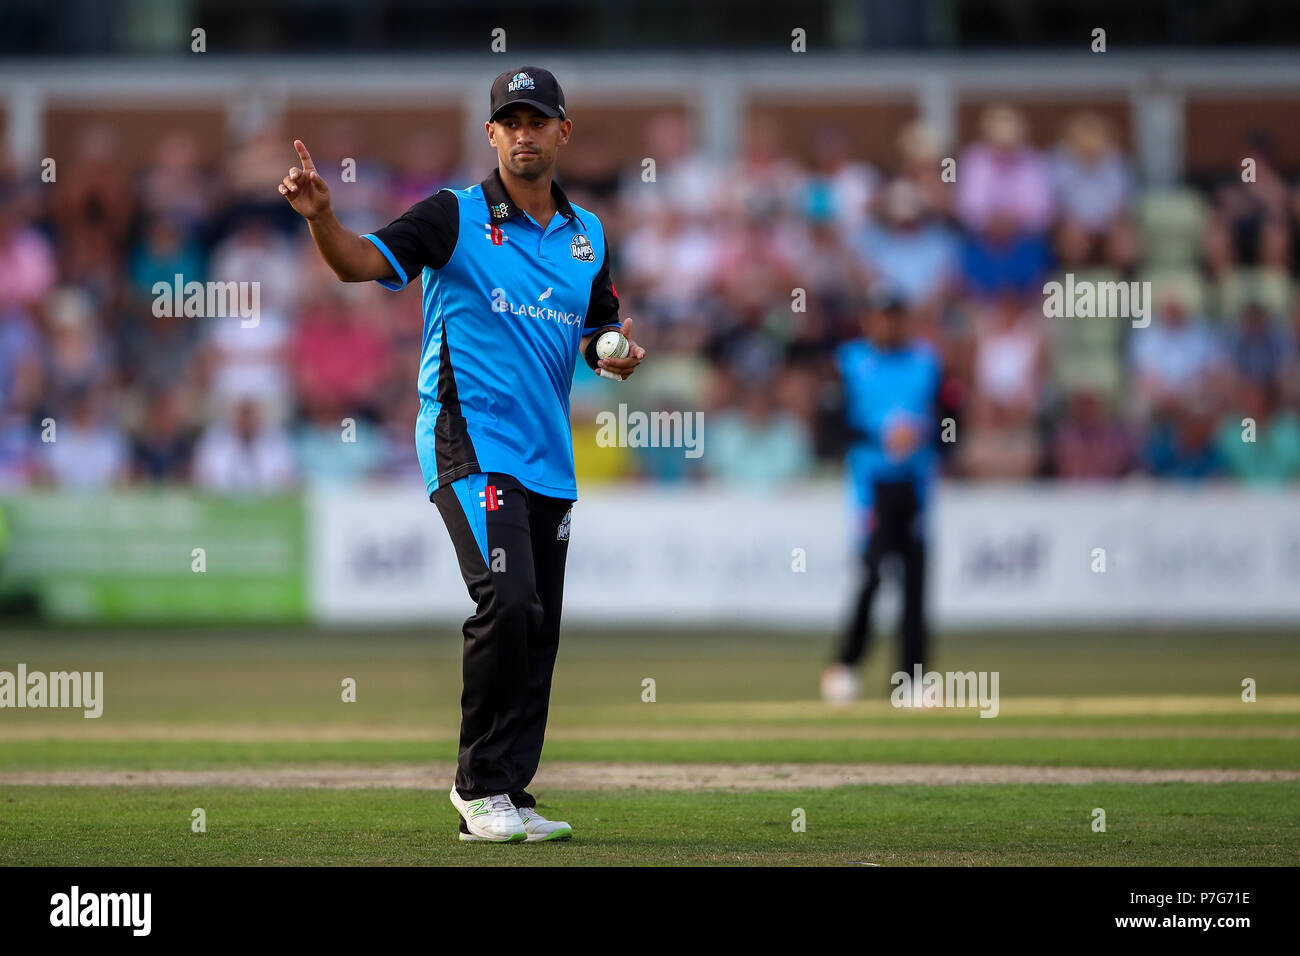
(501, 208)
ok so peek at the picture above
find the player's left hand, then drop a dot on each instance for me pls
(901, 439)
(625, 366)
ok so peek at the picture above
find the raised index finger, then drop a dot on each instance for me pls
(307, 164)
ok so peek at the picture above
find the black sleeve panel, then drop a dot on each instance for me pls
(602, 306)
(424, 235)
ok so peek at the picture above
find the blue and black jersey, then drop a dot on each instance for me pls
(889, 393)
(506, 303)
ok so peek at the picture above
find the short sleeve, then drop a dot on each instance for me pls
(424, 235)
(602, 307)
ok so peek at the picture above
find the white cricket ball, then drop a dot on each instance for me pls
(612, 344)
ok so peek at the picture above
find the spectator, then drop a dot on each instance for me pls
(999, 443)
(27, 270)
(1004, 200)
(21, 372)
(828, 271)
(839, 190)
(426, 167)
(1093, 190)
(909, 249)
(89, 450)
(243, 454)
(1257, 349)
(161, 448)
(21, 379)
(176, 190)
(765, 182)
(1001, 261)
(671, 261)
(920, 154)
(670, 464)
(756, 259)
(361, 201)
(245, 358)
(262, 154)
(684, 181)
(1003, 182)
(78, 357)
(1290, 360)
(163, 252)
(757, 444)
(18, 461)
(254, 252)
(336, 353)
(1249, 224)
(1010, 357)
(1173, 359)
(1182, 445)
(743, 342)
(1272, 456)
(158, 352)
(92, 210)
(336, 446)
(1090, 442)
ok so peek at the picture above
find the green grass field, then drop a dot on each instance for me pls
(254, 706)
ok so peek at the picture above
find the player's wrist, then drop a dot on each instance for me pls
(321, 217)
(590, 351)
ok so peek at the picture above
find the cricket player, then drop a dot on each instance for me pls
(891, 393)
(516, 285)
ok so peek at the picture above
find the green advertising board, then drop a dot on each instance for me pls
(142, 556)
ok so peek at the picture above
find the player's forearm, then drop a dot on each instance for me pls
(352, 258)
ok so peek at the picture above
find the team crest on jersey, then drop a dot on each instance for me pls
(520, 81)
(581, 249)
(562, 532)
(500, 210)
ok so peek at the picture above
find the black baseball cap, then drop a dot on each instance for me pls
(531, 85)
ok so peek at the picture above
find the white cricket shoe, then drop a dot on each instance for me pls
(839, 685)
(539, 828)
(491, 819)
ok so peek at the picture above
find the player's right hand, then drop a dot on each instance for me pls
(304, 187)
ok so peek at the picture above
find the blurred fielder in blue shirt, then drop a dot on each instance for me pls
(891, 391)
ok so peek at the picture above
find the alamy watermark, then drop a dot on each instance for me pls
(130, 910)
(948, 689)
(660, 429)
(81, 690)
(208, 300)
(1086, 299)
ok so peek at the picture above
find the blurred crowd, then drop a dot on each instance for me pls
(741, 279)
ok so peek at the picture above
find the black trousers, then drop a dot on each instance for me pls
(895, 530)
(511, 544)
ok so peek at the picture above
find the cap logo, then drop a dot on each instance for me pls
(520, 81)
